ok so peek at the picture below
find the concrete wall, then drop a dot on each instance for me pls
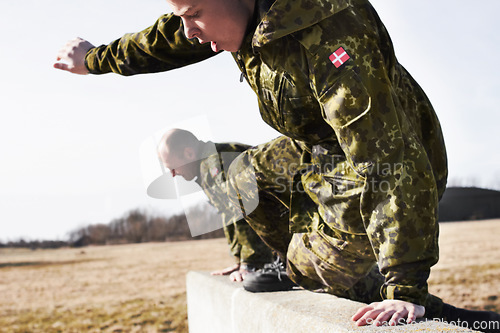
(217, 305)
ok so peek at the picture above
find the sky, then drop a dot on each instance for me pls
(74, 149)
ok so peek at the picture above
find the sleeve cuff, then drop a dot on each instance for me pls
(404, 293)
(90, 61)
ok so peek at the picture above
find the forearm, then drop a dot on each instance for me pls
(401, 222)
(161, 47)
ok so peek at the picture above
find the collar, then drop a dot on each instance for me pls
(284, 17)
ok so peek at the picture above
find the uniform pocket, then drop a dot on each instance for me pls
(300, 115)
(346, 101)
(337, 189)
(270, 91)
(340, 202)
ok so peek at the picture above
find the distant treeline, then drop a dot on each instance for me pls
(136, 226)
(37, 244)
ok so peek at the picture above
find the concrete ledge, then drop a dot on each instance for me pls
(216, 304)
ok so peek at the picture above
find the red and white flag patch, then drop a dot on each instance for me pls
(339, 57)
(214, 172)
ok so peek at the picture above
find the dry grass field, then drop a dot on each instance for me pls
(141, 288)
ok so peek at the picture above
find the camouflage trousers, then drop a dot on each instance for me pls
(318, 257)
(245, 245)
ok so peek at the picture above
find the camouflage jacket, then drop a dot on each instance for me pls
(213, 176)
(326, 74)
(245, 245)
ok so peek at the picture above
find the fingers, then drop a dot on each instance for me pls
(411, 316)
(362, 311)
(71, 57)
(60, 65)
(392, 312)
(66, 52)
(397, 318)
(236, 276)
(377, 317)
(63, 53)
(417, 311)
(383, 317)
(370, 317)
(366, 314)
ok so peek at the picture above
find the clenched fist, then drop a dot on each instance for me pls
(71, 57)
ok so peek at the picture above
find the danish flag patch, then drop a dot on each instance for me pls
(339, 57)
(214, 172)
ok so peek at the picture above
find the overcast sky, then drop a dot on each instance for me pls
(70, 146)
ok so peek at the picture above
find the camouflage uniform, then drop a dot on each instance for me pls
(273, 166)
(373, 157)
(245, 245)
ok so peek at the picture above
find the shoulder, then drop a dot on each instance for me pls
(349, 27)
(231, 147)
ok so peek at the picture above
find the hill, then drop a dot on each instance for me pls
(469, 203)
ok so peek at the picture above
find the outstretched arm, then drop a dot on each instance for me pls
(158, 48)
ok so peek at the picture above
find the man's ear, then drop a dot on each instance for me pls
(189, 154)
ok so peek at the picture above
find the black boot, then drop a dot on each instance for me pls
(272, 277)
(483, 321)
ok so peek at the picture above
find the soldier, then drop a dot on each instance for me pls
(186, 156)
(373, 158)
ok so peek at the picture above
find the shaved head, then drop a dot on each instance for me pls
(178, 150)
(176, 140)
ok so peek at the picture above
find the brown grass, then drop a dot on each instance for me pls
(468, 272)
(141, 288)
(122, 288)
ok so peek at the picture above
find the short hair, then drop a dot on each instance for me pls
(177, 140)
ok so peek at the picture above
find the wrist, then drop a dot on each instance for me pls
(88, 61)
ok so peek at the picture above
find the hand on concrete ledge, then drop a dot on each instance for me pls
(236, 272)
(392, 311)
(240, 274)
(237, 276)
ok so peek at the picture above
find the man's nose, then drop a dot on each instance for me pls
(190, 29)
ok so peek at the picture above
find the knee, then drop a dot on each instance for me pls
(241, 174)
